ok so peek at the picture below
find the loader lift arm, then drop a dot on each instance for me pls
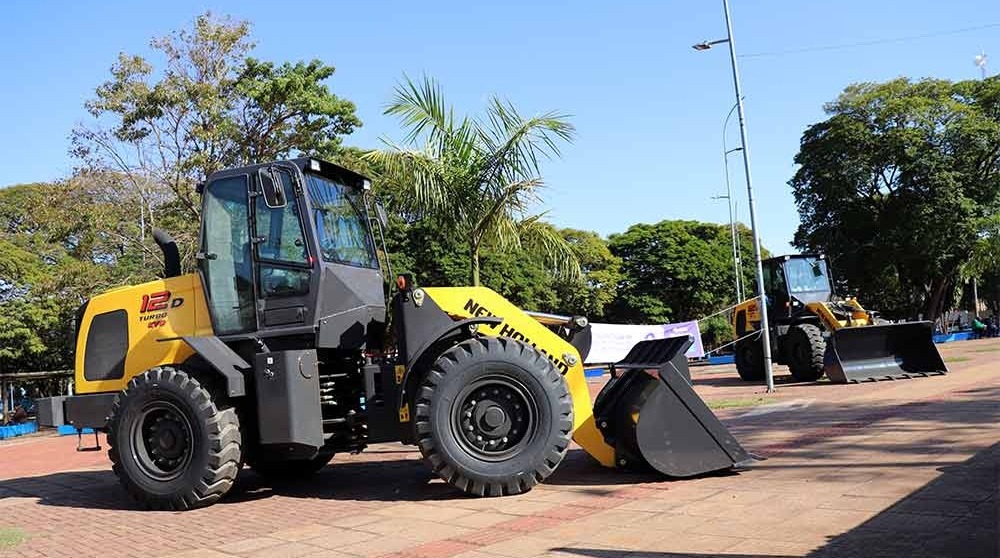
(653, 419)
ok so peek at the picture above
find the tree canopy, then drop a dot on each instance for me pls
(899, 186)
(676, 270)
(479, 177)
(207, 106)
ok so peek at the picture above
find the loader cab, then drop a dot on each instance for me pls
(287, 249)
(793, 281)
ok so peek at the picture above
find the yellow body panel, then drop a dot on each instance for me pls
(468, 302)
(163, 309)
(859, 316)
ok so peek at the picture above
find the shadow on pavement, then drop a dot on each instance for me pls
(391, 479)
(782, 379)
(955, 515)
(957, 510)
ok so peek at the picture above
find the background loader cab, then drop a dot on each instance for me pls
(274, 353)
(815, 332)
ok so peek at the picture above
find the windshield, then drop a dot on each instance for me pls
(807, 275)
(340, 223)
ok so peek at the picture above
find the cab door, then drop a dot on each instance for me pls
(226, 256)
(284, 264)
(776, 289)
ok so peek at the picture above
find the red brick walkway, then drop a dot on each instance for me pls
(906, 468)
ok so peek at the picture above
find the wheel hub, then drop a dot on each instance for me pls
(161, 441)
(494, 417)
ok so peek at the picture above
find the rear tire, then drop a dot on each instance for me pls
(750, 359)
(288, 469)
(805, 347)
(493, 417)
(172, 443)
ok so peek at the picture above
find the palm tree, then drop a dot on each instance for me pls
(479, 177)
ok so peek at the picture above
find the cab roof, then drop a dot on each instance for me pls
(305, 165)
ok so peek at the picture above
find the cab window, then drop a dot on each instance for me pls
(281, 246)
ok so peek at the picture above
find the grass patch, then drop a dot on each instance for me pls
(10, 537)
(957, 359)
(986, 350)
(736, 403)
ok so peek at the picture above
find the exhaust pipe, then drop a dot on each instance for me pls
(171, 256)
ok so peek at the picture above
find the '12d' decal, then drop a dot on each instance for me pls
(154, 308)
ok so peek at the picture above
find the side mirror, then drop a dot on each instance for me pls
(273, 190)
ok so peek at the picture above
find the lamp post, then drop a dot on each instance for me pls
(733, 231)
(765, 329)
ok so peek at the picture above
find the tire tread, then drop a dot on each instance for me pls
(452, 360)
(224, 442)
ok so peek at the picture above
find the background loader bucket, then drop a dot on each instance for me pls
(882, 352)
(651, 416)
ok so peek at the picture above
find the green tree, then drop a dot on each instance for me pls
(894, 186)
(592, 293)
(59, 243)
(675, 271)
(208, 106)
(478, 179)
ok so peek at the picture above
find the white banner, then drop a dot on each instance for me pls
(611, 342)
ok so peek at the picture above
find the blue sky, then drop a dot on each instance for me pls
(649, 110)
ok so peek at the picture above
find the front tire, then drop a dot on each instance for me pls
(172, 443)
(750, 359)
(493, 416)
(806, 347)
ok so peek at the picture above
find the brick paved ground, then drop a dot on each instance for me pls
(907, 468)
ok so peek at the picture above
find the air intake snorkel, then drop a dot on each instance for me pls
(171, 256)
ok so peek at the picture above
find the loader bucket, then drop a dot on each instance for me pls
(653, 418)
(882, 352)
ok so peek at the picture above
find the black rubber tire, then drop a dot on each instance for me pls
(439, 398)
(214, 445)
(805, 347)
(750, 359)
(288, 469)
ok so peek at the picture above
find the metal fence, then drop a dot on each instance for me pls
(20, 390)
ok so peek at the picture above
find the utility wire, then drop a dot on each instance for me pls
(868, 43)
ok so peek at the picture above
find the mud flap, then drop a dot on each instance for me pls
(882, 352)
(653, 418)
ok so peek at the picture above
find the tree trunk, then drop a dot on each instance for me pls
(474, 259)
(935, 303)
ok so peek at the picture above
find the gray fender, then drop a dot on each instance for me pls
(438, 335)
(229, 365)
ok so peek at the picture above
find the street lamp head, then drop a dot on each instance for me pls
(705, 45)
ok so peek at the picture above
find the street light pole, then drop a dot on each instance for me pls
(733, 231)
(761, 300)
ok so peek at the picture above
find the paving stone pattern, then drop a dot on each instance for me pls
(906, 468)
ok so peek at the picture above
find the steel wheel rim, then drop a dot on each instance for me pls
(161, 440)
(494, 417)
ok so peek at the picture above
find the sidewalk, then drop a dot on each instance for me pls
(906, 468)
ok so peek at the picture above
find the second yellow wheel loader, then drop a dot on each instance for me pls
(815, 332)
(275, 354)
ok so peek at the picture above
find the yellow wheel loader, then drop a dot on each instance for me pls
(815, 332)
(277, 353)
